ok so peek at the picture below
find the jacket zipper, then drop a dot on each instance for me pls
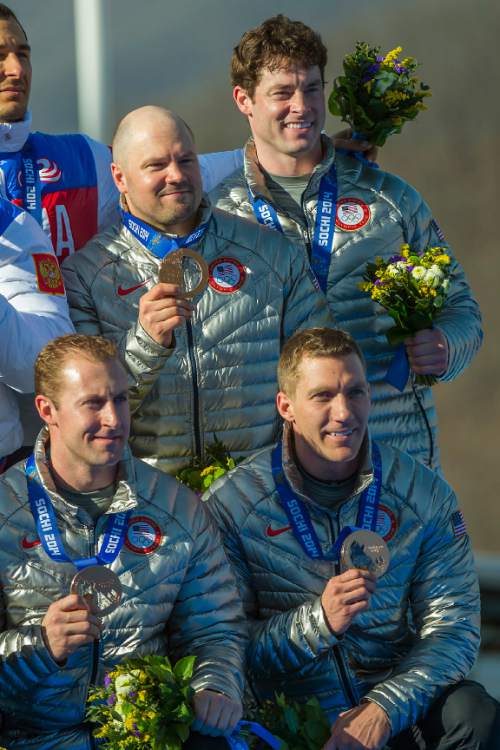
(196, 398)
(345, 679)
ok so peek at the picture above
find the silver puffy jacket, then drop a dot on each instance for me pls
(431, 583)
(220, 379)
(179, 598)
(397, 215)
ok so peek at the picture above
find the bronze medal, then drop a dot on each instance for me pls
(99, 586)
(172, 271)
(365, 550)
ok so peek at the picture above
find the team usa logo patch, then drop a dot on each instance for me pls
(48, 274)
(386, 523)
(143, 535)
(352, 214)
(226, 275)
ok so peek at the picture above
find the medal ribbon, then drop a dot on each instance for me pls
(50, 536)
(237, 742)
(32, 191)
(324, 227)
(300, 520)
(158, 243)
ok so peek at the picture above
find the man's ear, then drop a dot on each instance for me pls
(243, 100)
(46, 409)
(118, 177)
(285, 406)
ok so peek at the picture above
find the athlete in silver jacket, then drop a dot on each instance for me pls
(278, 75)
(178, 592)
(219, 379)
(407, 638)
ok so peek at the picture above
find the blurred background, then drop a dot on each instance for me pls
(177, 55)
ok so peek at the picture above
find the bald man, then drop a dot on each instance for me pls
(200, 365)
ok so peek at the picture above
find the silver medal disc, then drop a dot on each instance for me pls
(365, 550)
(99, 586)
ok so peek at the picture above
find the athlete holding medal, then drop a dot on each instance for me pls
(199, 302)
(334, 539)
(103, 558)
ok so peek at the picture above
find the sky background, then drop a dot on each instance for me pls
(177, 55)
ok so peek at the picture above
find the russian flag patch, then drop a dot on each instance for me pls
(458, 524)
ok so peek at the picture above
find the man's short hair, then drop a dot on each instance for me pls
(6, 14)
(49, 365)
(276, 43)
(310, 343)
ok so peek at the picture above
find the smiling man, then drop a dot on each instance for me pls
(342, 213)
(202, 366)
(60, 511)
(334, 540)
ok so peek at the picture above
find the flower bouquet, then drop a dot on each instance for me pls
(377, 93)
(199, 475)
(412, 287)
(145, 704)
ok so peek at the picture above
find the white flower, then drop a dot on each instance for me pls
(418, 273)
(396, 269)
(433, 278)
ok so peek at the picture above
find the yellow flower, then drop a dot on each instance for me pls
(208, 470)
(442, 260)
(392, 55)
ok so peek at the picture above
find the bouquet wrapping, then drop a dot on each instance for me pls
(377, 93)
(412, 287)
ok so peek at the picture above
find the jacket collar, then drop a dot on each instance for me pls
(364, 474)
(13, 135)
(125, 496)
(255, 175)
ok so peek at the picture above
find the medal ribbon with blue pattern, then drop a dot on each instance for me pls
(324, 227)
(50, 536)
(300, 520)
(156, 242)
(32, 191)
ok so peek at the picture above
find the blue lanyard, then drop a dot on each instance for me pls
(236, 741)
(48, 530)
(158, 243)
(32, 191)
(300, 520)
(324, 227)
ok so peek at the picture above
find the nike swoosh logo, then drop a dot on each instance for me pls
(122, 292)
(275, 532)
(26, 544)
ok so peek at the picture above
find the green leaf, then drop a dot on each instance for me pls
(184, 668)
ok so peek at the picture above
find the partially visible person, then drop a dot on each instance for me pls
(382, 629)
(33, 310)
(82, 500)
(342, 213)
(202, 368)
